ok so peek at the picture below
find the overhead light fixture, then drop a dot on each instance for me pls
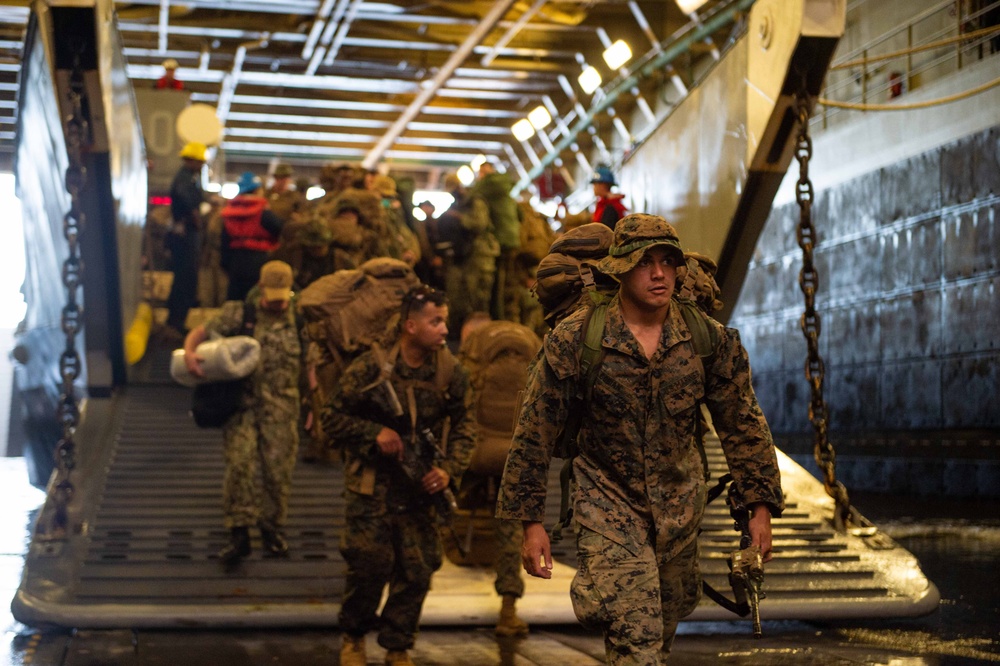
(539, 117)
(522, 129)
(229, 190)
(617, 54)
(477, 162)
(466, 175)
(314, 192)
(590, 80)
(688, 6)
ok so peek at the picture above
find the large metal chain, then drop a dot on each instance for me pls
(810, 323)
(68, 412)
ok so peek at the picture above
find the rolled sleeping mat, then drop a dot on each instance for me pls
(225, 359)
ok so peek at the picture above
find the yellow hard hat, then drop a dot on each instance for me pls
(194, 151)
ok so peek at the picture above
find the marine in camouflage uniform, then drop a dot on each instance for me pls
(390, 537)
(639, 484)
(470, 251)
(260, 440)
(287, 203)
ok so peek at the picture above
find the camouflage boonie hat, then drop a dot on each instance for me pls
(315, 234)
(283, 171)
(634, 235)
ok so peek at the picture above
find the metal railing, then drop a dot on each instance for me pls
(932, 45)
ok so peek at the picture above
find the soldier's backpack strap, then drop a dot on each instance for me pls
(444, 372)
(591, 358)
(704, 339)
(249, 318)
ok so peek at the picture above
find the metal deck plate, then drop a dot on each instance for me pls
(146, 555)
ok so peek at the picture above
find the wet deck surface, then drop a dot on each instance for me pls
(958, 544)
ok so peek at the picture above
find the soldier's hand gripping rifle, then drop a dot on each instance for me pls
(416, 463)
(746, 565)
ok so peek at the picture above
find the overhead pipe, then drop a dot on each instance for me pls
(163, 25)
(427, 92)
(640, 18)
(512, 31)
(338, 39)
(661, 60)
(582, 113)
(515, 160)
(317, 28)
(232, 79)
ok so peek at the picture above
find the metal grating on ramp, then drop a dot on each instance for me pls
(153, 524)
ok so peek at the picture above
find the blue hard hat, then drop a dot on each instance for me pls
(602, 174)
(248, 182)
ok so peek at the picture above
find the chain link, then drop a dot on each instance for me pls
(810, 323)
(70, 365)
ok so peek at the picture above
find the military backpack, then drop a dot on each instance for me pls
(497, 355)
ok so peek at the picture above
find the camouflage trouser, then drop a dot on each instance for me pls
(401, 550)
(636, 600)
(507, 564)
(252, 449)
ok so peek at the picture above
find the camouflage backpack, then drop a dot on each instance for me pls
(497, 355)
(348, 311)
(536, 234)
(568, 273)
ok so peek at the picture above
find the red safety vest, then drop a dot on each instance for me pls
(242, 219)
(613, 201)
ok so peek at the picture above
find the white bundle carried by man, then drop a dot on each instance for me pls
(225, 359)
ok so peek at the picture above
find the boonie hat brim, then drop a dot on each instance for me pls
(619, 264)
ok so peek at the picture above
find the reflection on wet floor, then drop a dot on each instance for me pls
(957, 543)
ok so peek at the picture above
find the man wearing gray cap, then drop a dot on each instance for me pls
(639, 488)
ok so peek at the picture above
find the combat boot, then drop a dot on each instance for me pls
(398, 658)
(237, 548)
(352, 651)
(509, 624)
(274, 542)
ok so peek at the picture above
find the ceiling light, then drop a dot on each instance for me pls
(590, 80)
(314, 192)
(522, 129)
(688, 6)
(229, 190)
(466, 175)
(617, 54)
(477, 162)
(539, 117)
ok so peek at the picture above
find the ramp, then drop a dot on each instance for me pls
(150, 510)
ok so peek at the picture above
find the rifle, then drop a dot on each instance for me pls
(746, 566)
(417, 462)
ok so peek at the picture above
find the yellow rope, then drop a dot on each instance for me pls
(908, 107)
(917, 49)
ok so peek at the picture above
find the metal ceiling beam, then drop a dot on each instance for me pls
(341, 137)
(279, 80)
(350, 105)
(317, 27)
(338, 39)
(163, 25)
(499, 9)
(512, 31)
(333, 152)
(362, 123)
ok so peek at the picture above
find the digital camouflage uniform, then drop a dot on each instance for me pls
(639, 487)
(262, 439)
(390, 537)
